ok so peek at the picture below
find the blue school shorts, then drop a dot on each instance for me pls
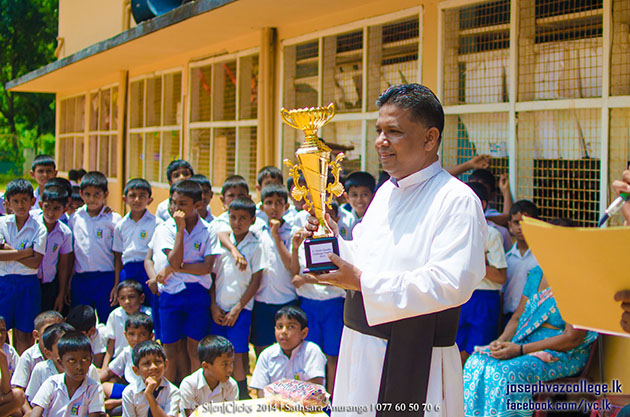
(325, 323)
(117, 391)
(479, 320)
(136, 272)
(264, 323)
(93, 289)
(237, 334)
(185, 314)
(20, 301)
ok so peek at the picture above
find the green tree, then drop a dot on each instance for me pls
(28, 32)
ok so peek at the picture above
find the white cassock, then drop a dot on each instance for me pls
(421, 249)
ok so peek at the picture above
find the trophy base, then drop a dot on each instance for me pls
(317, 250)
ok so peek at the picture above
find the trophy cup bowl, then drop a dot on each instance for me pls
(314, 163)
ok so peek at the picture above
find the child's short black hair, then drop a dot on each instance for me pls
(177, 164)
(137, 320)
(73, 341)
(76, 193)
(274, 189)
(60, 182)
(188, 188)
(18, 186)
(293, 313)
(563, 221)
(73, 175)
(524, 207)
(130, 283)
(44, 316)
(484, 176)
(138, 184)
(234, 181)
(55, 193)
(211, 347)
(269, 171)
(479, 189)
(94, 179)
(82, 318)
(245, 204)
(201, 180)
(81, 173)
(360, 179)
(53, 333)
(146, 348)
(43, 160)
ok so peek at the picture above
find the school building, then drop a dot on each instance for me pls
(541, 85)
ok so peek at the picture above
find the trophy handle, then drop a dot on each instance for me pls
(299, 192)
(286, 117)
(336, 188)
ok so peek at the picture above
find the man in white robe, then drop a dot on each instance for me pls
(419, 250)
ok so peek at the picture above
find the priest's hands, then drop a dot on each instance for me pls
(313, 224)
(347, 276)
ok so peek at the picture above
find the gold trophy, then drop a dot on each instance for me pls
(314, 162)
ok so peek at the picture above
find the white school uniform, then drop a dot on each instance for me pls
(496, 258)
(93, 240)
(300, 219)
(2, 210)
(58, 242)
(115, 327)
(199, 243)
(122, 366)
(194, 391)
(518, 267)
(53, 398)
(221, 223)
(136, 404)
(162, 211)
(132, 238)
(30, 357)
(98, 341)
(32, 235)
(276, 286)
(160, 260)
(230, 282)
(45, 370)
(307, 362)
(347, 221)
(12, 357)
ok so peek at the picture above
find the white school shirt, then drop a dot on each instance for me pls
(32, 235)
(93, 240)
(134, 403)
(2, 210)
(316, 291)
(53, 398)
(300, 219)
(58, 242)
(160, 260)
(30, 357)
(132, 238)
(44, 370)
(347, 221)
(496, 258)
(194, 391)
(518, 268)
(198, 244)
(420, 246)
(98, 341)
(230, 282)
(307, 362)
(221, 223)
(276, 286)
(38, 198)
(122, 365)
(115, 327)
(12, 357)
(162, 211)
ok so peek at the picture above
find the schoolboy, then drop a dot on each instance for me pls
(479, 318)
(276, 289)
(191, 247)
(291, 356)
(152, 392)
(35, 354)
(206, 195)
(43, 168)
(212, 382)
(75, 201)
(22, 248)
(233, 290)
(132, 236)
(138, 329)
(266, 176)
(10, 352)
(56, 267)
(177, 170)
(83, 318)
(359, 192)
(11, 400)
(130, 297)
(495, 219)
(520, 260)
(295, 206)
(73, 392)
(94, 282)
(50, 366)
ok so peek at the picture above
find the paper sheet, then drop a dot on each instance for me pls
(585, 267)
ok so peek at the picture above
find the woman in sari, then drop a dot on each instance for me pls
(536, 345)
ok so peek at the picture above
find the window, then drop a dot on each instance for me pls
(224, 117)
(71, 131)
(103, 131)
(350, 68)
(155, 120)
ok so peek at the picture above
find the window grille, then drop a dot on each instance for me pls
(71, 130)
(102, 133)
(620, 53)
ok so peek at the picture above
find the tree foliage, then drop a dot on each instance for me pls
(28, 32)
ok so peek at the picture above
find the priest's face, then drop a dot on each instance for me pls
(404, 145)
